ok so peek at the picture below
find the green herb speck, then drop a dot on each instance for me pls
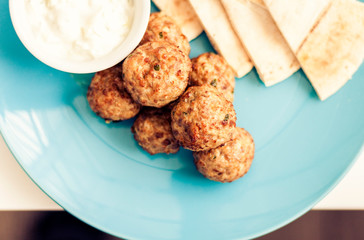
(214, 157)
(233, 91)
(213, 83)
(185, 113)
(160, 35)
(157, 67)
(226, 118)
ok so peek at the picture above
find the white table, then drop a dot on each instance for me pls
(18, 192)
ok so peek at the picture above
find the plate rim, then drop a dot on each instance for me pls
(275, 227)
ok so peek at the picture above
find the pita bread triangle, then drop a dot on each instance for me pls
(221, 34)
(263, 41)
(295, 18)
(334, 50)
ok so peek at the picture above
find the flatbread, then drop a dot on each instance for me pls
(184, 15)
(263, 41)
(334, 50)
(222, 36)
(259, 2)
(295, 18)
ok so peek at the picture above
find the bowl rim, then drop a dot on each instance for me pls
(133, 38)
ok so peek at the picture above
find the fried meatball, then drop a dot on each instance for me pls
(108, 98)
(203, 119)
(212, 69)
(156, 73)
(228, 162)
(152, 130)
(163, 28)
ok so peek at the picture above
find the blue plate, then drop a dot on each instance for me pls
(98, 173)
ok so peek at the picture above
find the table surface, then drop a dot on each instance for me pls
(18, 192)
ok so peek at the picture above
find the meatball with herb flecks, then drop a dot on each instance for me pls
(156, 73)
(163, 28)
(212, 69)
(228, 162)
(203, 119)
(152, 130)
(108, 98)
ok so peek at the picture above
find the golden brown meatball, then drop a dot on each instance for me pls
(108, 98)
(228, 162)
(156, 73)
(203, 119)
(152, 130)
(212, 69)
(163, 28)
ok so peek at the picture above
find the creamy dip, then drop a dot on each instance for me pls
(79, 30)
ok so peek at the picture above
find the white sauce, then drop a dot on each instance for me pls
(79, 30)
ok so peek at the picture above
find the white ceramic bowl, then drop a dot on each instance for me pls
(139, 25)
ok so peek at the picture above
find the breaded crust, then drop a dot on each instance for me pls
(152, 130)
(156, 73)
(108, 98)
(212, 69)
(203, 119)
(228, 162)
(163, 28)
